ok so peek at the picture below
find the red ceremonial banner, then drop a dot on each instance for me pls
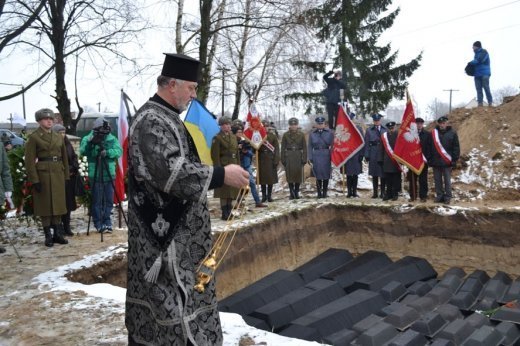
(254, 130)
(347, 139)
(407, 148)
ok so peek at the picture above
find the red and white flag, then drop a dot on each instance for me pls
(122, 136)
(408, 150)
(347, 139)
(254, 130)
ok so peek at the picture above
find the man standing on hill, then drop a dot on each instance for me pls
(334, 85)
(482, 73)
(443, 153)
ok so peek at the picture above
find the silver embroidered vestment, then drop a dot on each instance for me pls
(168, 235)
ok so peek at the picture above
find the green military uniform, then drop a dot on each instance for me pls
(46, 163)
(294, 157)
(224, 151)
(268, 159)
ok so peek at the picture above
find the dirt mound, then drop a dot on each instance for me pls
(490, 151)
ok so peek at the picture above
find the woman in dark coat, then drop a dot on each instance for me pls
(70, 185)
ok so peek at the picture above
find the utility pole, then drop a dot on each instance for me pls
(99, 107)
(23, 95)
(224, 70)
(451, 92)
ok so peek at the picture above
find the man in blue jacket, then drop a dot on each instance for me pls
(482, 73)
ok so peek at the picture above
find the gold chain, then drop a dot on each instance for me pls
(210, 263)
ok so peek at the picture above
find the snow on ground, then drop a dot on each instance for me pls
(111, 299)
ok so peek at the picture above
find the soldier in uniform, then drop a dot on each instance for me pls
(47, 169)
(321, 140)
(391, 169)
(294, 156)
(224, 151)
(372, 150)
(354, 166)
(268, 159)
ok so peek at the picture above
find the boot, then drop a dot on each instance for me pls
(291, 191)
(297, 190)
(383, 186)
(269, 193)
(224, 213)
(65, 220)
(58, 234)
(349, 186)
(318, 188)
(48, 236)
(374, 187)
(325, 187)
(354, 186)
(264, 193)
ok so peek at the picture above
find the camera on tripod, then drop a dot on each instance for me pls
(101, 132)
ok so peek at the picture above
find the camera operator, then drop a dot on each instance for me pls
(102, 150)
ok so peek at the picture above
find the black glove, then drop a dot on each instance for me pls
(37, 187)
(367, 159)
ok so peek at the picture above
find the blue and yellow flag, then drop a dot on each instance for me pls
(202, 126)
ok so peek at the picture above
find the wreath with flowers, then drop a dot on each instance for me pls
(86, 198)
(22, 195)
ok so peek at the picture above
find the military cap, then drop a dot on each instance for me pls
(180, 66)
(265, 122)
(293, 121)
(419, 120)
(376, 116)
(390, 124)
(442, 119)
(319, 120)
(224, 121)
(58, 128)
(352, 115)
(44, 113)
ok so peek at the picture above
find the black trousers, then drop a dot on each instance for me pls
(332, 112)
(393, 181)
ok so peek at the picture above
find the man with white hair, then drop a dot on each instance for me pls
(169, 228)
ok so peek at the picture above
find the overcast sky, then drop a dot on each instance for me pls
(444, 30)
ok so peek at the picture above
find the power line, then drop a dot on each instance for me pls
(453, 19)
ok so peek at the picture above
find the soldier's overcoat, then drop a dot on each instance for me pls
(46, 163)
(320, 146)
(373, 149)
(268, 160)
(224, 151)
(294, 155)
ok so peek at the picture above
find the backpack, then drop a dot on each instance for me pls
(470, 69)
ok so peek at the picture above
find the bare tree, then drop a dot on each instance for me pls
(91, 30)
(499, 94)
(16, 17)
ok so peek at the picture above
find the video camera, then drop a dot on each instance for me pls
(101, 132)
(244, 144)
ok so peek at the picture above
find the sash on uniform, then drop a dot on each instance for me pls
(268, 145)
(389, 150)
(440, 149)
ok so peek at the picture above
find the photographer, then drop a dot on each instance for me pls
(102, 150)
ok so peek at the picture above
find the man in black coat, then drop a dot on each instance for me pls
(334, 85)
(443, 151)
(391, 168)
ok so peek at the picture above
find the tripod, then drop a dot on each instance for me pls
(2, 225)
(102, 166)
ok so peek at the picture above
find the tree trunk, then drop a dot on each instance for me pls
(205, 37)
